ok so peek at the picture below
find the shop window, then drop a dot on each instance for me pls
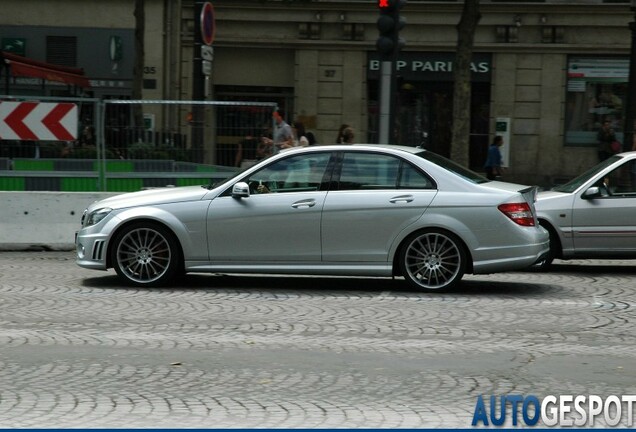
(596, 91)
(61, 50)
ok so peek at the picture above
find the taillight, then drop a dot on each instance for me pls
(520, 213)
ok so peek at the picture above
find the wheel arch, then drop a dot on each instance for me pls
(149, 221)
(397, 271)
(554, 237)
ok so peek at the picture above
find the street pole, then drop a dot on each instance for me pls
(630, 109)
(386, 80)
(198, 85)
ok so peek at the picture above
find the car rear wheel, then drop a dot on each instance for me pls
(433, 260)
(146, 254)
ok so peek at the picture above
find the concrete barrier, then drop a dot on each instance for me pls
(43, 220)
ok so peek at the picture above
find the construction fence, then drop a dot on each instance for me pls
(128, 145)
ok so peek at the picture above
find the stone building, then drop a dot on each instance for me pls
(545, 72)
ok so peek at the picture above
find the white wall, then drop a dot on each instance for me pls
(42, 220)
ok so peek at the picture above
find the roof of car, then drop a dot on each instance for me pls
(332, 147)
(394, 147)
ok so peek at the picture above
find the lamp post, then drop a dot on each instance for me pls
(630, 109)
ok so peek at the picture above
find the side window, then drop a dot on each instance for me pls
(411, 178)
(369, 171)
(622, 181)
(302, 173)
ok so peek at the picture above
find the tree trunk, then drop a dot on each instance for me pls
(462, 86)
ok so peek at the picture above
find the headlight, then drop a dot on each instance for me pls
(96, 216)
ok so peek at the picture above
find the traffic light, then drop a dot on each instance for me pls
(389, 24)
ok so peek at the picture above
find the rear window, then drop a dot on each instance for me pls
(453, 167)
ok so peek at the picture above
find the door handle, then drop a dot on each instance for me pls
(402, 198)
(304, 203)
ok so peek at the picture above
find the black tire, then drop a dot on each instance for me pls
(146, 254)
(433, 260)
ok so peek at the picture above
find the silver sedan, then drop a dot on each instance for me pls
(593, 215)
(359, 210)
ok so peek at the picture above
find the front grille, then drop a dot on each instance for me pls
(98, 250)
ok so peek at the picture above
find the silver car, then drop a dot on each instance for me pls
(593, 215)
(360, 210)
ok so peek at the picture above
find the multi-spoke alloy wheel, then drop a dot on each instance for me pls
(145, 254)
(433, 260)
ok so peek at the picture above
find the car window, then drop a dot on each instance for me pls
(301, 173)
(453, 167)
(577, 182)
(369, 171)
(620, 182)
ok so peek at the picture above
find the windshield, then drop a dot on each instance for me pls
(577, 182)
(453, 167)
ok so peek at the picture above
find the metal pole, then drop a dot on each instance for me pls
(198, 85)
(630, 109)
(386, 80)
(100, 123)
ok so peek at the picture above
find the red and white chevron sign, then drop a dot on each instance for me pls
(38, 121)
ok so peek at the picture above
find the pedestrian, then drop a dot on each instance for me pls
(299, 134)
(348, 135)
(339, 139)
(493, 165)
(604, 139)
(283, 135)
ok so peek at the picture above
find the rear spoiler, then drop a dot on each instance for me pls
(530, 194)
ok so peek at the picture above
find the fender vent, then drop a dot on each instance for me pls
(98, 250)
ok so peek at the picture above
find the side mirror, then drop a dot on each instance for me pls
(591, 193)
(241, 190)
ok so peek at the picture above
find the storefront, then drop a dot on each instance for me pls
(424, 105)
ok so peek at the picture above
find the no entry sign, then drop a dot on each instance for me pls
(208, 24)
(38, 121)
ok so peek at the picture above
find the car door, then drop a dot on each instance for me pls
(607, 223)
(281, 223)
(375, 198)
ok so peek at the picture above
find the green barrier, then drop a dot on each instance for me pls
(120, 166)
(12, 184)
(124, 185)
(33, 165)
(203, 168)
(192, 181)
(79, 184)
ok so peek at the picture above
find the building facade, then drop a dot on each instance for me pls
(544, 73)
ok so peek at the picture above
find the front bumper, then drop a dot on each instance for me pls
(91, 250)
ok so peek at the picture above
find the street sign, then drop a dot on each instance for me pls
(35, 121)
(208, 25)
(207, 52)
(206, 67)
(14, 45)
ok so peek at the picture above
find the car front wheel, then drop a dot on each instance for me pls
(145, 254)
(433, 260)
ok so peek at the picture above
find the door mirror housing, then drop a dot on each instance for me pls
(591, 193)
(241, 190)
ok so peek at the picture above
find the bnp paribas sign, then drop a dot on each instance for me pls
(419, 66)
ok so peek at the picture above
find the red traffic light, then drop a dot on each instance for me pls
(389, 5)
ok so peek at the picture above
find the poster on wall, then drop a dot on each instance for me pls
(596, 92)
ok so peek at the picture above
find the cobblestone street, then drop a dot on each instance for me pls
(77, 349)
